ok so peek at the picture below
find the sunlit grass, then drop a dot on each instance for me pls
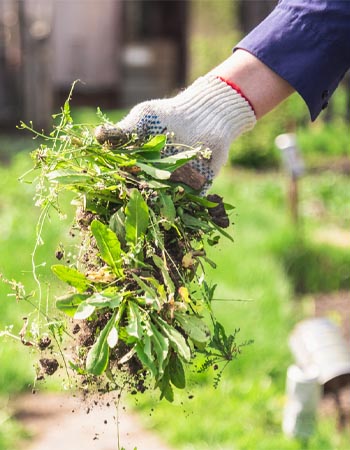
(245, 412)
(254, 294)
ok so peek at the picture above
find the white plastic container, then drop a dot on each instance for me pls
(318, 343)
(303, 395)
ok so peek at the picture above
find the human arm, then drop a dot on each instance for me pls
(264, 88)
(307, 43)
(302, 45)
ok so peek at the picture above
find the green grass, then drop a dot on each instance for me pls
(255, 292)
(328, 266)
(11, 433)
(245, 411)
(18, 219)
(320, 142)
(16, 239)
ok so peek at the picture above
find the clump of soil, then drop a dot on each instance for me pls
(130, 375)
(49, 366)
(44, 342)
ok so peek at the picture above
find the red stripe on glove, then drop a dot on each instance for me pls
(238, 89)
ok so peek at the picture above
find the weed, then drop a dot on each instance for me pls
(137, 307)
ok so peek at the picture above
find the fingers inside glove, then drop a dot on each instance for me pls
(112, 134)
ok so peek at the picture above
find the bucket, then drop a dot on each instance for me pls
(303, 396)
(318, 343)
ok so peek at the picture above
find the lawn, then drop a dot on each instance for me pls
(254, 293)
(256, 296)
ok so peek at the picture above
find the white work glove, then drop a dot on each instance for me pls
(210, 113)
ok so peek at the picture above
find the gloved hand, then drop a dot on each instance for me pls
(210, 113)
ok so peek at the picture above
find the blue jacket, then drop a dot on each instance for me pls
(306, 42)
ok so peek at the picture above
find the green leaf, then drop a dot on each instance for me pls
(69, 177)
(136, 217)
(178, 159)
(210, 262)
(117, 224)
(143, 350)
(157, 184)
(108, 245)
(66, 110)
(158, 174)
(84, 311)
(147, 345)
(201, 200)
(176, 372)
(104, 300)
(228, 206)
(194, 327)
(194, 223)
(223, 232)
(176, 339)
(71, 276)
(167, 208)
(70, 303)
(154, 230)
(102, 116)
(161, 347)
(152, 296)
(98, 356)
(165, 273)
(135, 319)
(77, 369)
(156, 143)
(213, 240)
(112, 338)
(66, 107)
(145, 288)
(151, 149)
(166, 391)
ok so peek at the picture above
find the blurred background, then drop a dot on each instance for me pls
(122, 51)
(291, 255)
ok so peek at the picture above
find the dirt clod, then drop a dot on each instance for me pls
(76, 329)
(59, 255)
(218, 213)
(44, 342)
(48, 365)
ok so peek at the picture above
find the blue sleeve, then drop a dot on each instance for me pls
(306, 42)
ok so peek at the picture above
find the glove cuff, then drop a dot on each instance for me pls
(238, 90)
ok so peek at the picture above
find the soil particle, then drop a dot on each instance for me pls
(76, 328)
(59, 255)
(44, 342)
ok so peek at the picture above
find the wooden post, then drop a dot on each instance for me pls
(10, 57)
(35, 18)
(294, 199)
(294, 166)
